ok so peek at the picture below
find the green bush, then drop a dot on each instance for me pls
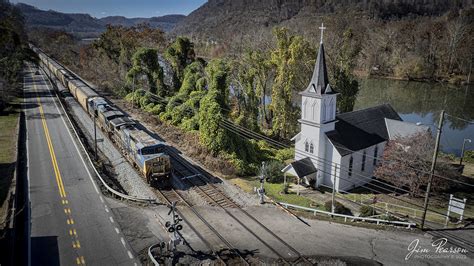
(274, 173)
(284, 154)
(340, 208)
(190, 124)
(366, 211)
(469, 156)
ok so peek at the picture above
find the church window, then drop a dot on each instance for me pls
(306, 146)
(351, 162)
(311, 148)
(376, 151)
(323, 109)
(305, 114)
(313, 109)
(364, 155)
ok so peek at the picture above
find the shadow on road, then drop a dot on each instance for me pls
(44, 250)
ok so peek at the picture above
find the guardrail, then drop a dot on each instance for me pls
(111, 190)
(152, 258)
(364, 219)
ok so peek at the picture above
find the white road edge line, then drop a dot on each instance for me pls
(27, 175)
(117, 230)
(123, 241)
(75, 145)
(130, 254)
(111, 219)
(68, 131)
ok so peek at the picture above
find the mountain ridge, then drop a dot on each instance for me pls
(87, 24)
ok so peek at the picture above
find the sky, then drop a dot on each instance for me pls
(127, 8)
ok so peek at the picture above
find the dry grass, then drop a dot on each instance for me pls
(8, 140)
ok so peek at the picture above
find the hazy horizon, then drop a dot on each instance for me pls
(129, 9)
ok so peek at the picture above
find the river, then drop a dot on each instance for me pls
(422, 102)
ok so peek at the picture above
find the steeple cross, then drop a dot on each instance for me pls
(322, 28)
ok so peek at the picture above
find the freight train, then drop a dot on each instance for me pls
(145, 152)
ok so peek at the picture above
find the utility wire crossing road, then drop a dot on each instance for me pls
(70, 221)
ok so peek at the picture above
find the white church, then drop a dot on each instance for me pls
(340, 148)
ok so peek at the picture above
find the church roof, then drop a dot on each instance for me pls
(303, 167)
(319, 81)
(361, 129)
(400, 129)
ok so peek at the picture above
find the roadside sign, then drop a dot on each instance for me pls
(457, 206)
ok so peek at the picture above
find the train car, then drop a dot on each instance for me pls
(141, 149)
(106, 114)
(117, 124)
(93, 105)
(83, 94)
(147, 154)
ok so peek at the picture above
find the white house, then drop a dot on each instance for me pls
(341, 148)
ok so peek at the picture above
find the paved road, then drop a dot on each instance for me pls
(70, 221)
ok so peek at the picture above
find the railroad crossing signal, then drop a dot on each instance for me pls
(263, 177)
(174, 226)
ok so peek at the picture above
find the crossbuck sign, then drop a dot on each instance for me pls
(457, 206)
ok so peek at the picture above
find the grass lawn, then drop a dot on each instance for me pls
(8, 139)
(273, 191)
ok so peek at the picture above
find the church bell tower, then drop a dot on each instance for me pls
(318, 115)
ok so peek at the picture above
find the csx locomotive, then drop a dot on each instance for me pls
(145, 152)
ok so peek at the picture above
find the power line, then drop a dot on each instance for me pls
(462, 119)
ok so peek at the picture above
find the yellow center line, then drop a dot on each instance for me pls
(59, 180)
(76, 244)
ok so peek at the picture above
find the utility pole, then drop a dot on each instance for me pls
(333, 198)
(433, 166)
(261, 190)
(95, 136)
(462, 150)
(133, 92)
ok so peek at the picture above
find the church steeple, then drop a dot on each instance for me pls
(319, 82)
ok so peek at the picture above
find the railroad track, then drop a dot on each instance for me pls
(202, 182)
(224, 252)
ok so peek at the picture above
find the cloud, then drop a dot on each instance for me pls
(103, 13)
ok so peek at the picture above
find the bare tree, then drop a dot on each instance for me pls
(407, 161)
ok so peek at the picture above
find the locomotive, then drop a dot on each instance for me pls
(145, 152)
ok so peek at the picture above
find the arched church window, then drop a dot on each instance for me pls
(306, 146)
(351, 162)
(331, 109)
(313, 110)
(328, 110)
(304, 108)
(323, 110)
(364, 155)
(376, 151)
(311, 148)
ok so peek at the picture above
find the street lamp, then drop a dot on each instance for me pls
(462, 150)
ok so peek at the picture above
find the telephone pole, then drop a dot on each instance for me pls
(433, 166)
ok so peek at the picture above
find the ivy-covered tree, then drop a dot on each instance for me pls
(210, 111)
(180, 54)
(145, 62)
(292, 58)
(343, 79)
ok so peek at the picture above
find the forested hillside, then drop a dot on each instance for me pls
(403, 39)
(13, 51)
(84, 25)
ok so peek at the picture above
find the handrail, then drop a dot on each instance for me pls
(113, 191)
(286, 205)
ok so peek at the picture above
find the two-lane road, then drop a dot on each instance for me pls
(70, 221)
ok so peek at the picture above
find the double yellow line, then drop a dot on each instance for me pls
(59, 179)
